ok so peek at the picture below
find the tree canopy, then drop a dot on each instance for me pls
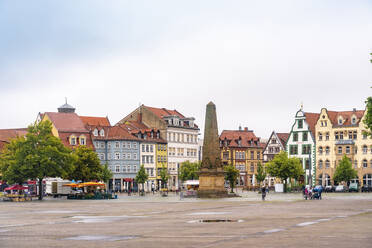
(283, 167)
(164, 176)
(261, 173)
(141, 176)
(36, 156)
(87, 166)
(231, 175)
(344, 171)
(189, 171)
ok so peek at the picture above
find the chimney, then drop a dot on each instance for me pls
(246, 129)
(240, 128)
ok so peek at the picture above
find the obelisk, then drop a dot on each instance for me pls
(211, 174)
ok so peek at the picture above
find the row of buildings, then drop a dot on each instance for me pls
(161, 138)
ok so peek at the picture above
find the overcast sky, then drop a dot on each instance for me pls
(256, 60)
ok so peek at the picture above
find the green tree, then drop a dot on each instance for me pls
(141, 177)
(231, 175)
(368, 118)
(285, 168)
(87, 166)
(164, 176)
(37, 156)
(344, 171)
(189, 171)
(261, 173)
(106, 174)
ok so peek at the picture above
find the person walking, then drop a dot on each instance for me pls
(263, 192)
(153, 188)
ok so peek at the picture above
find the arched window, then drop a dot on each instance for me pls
(348, 150)
(339, 150)
(353, 119)
(82, 140)
(95, 132)
(320, 164)
(327, 164)
(73, 141)
(320, 150)
(365, 164)
(365, 149)
(327, 150)
(102, 132)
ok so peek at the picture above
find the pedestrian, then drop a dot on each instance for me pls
(153, 188)
(263, 192)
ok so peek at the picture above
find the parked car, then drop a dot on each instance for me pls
(329, 188)
(341, 188)
(353, 187)
(366, 188)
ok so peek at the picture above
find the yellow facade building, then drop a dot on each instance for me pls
(340, 133)
(161, 160)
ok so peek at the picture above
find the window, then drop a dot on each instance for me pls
(365, 149)
(117, 168)
(117, 155)
(151, 148)
(95, 132)
(252, 154)
(225, 155)
(124, 156)
(128, 156)
(327, 150)
(367, 179)
(143, 148)
(327, 136)
(320, 164)
(271, 150)
(134, 145)
(258, 155)
(300, 124)
(277, 149)
(109, 156)
(355, 164)
(128, 168)
(350, 133)
(365, 136)
(82, 140)
(135, 168)
(353, 120)
(273, 141)
(307, 164)
(365, 164)
(348, 150)
(72, 140)
(102, 132)
(293, 149)
(327, 164)
(102, 144)
(135, 156)
(252, 167)
(295, 136)
(117, 144)
(306, 149)
(340, 121)
(336, 135)
(339, 150)
(355, 150)
(124, 168)
(108, 144)
(320, 150)
(147, 148)
(304, 136)
(341, 135)
(355, 135)
(320, 135)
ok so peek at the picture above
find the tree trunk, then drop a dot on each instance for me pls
(40, 189)
(232, 187)
(285, 186)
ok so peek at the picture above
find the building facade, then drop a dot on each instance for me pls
(301, 143)
(340, 133)
(242, 149)
(181, 134)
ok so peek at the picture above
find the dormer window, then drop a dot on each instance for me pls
(82, 140)
(102, 132)
(353, 120)
(152, 134)
(73, 140)
(95, 132)
(158, 135)
(340, 121)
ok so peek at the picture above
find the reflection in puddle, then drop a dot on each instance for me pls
(102, 219)
(209, 213)
(306, 223)
(100, 238)
(273, 230)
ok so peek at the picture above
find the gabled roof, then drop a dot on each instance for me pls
(311, 119)
(135, 128)
(247, 138)
(346, 116)
(95, 121)
(283, 138)
(67, 122)
(116, 133)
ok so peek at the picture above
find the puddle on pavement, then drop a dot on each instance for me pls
(306, 223)
(322, 220)
(214, 221)
(209, 213)
(100, 238)
(273, 230)
(102, 219)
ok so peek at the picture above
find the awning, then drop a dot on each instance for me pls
(128, 179)
(16, 187)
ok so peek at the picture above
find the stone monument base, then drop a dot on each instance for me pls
(212, 183)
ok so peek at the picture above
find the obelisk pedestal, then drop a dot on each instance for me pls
(211, 174)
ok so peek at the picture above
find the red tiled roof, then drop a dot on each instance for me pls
(8, 134)
(95, 121)
(135, 127)
(283, 137)
(311, 119)
(245, 136)
(67, 122)
(116, 133)
(346, 115)
(162, 112)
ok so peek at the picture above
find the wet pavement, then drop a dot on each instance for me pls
(283, 220)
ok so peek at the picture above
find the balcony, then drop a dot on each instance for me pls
(345, 142)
